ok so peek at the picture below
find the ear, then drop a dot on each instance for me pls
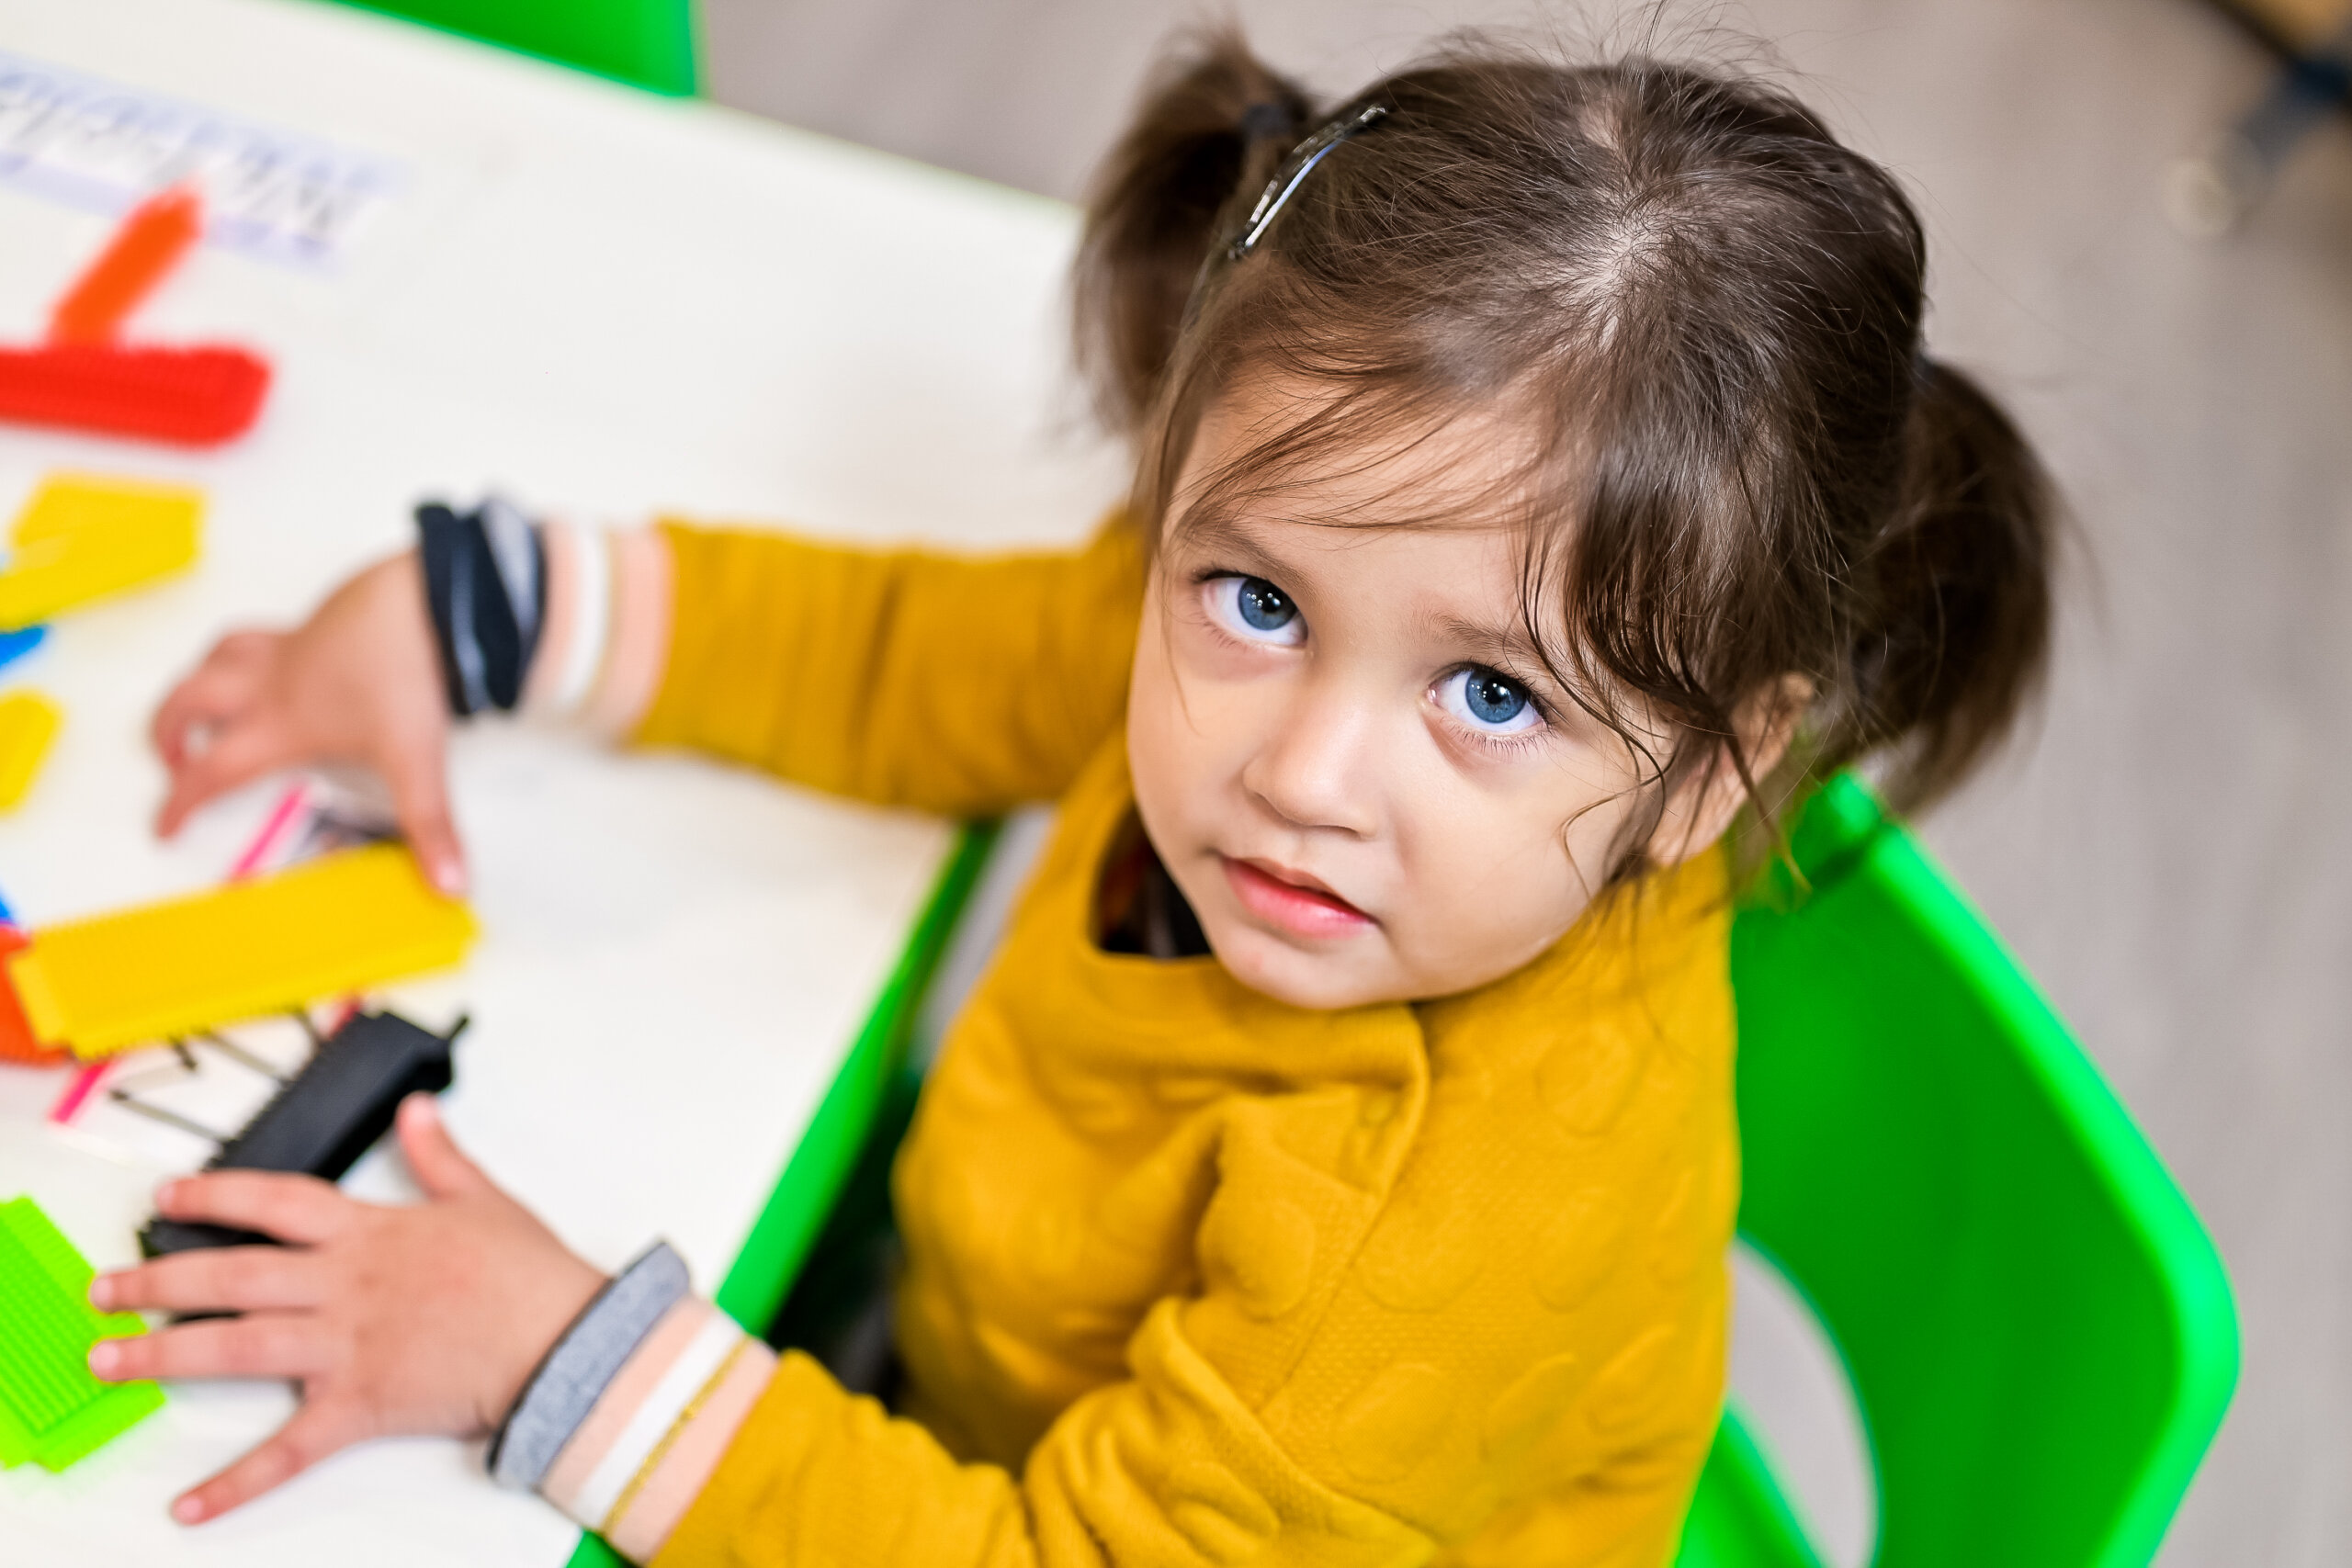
(1699, 809)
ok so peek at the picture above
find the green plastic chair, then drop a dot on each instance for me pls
(648, 43)
(2039, 1333)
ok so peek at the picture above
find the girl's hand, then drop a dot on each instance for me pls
(422, 1319)
(359, 681)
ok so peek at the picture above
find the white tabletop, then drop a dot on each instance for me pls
(602, 303)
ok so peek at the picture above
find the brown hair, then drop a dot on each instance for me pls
(1745, 468)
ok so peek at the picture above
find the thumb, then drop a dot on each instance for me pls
(433, 1156)
(420, 788)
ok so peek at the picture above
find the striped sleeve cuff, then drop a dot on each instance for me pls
(605, 637)
(634, 1463)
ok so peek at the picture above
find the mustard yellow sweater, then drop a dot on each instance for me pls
(1194, 1277)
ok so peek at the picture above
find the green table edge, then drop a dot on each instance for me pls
(796, 1209)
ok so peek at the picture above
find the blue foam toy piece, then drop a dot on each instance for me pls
(16, 644)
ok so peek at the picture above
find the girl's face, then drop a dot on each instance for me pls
(1346, 751)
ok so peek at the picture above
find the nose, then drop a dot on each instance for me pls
(1316, 769)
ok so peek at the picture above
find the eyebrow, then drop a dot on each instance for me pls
(1221, 534)
(1512, 643)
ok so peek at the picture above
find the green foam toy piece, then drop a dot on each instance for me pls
(52, 1410)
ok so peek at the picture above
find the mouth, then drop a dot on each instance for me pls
(1292, 901)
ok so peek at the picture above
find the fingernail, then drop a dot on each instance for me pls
(103, 1356)
(449, 876)
(187, 1510)
(102, 1292)
(165, 1193)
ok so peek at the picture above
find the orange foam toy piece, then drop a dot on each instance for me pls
(149, 244)
(18, 1043)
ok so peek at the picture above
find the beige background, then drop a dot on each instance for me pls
(2171, 852)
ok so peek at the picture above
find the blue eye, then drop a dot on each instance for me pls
(1255, 610)
(1488, 701)
(1490, 698)
(1264, 606)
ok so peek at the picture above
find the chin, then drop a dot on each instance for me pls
(1272, 967)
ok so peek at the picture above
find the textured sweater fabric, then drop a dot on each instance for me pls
(1195, 1276)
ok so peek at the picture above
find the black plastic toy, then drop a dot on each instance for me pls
(326, 1117)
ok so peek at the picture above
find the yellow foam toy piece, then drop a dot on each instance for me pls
(29, 722)
(336, 924)
(82, 537)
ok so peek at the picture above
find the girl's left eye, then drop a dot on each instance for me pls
(1487, 700)
(1255, 610)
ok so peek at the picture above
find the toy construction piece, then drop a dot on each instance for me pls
(324, 1117)
(16, 644)
(151, 243)
(16, 1040)
(84, 378)
(29, 722)
(82, 536)
(52, 1410)
(325, 928)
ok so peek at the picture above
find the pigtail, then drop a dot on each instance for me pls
(1214, 119)
(1958, 627)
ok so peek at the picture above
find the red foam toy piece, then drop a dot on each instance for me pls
(199, 396)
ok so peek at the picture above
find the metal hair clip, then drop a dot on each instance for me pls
(1294, 169)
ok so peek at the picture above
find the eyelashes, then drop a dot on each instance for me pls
(1254, 610)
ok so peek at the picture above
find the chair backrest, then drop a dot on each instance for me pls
(2039, 1332)
(649, 43)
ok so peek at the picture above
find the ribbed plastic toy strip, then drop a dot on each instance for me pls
(196, 396)
(341, 923)
(52, 1410)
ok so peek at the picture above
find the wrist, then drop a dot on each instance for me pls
(589, 1347)
(538, 1319)
(485, 589)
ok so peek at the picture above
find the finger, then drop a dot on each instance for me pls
(318, 1429)
(300, 1209)
(244, 751)
(216, 689)
(213, 1279)
(420, 786)
(433, 1156)
(262, 1344)
(204, 699)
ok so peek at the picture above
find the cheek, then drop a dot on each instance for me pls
(1497, 878)
(1173, 737)
(1488, 873)
(1192, 730)
(1155, 723)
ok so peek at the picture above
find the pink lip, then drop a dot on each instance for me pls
(1292, 901)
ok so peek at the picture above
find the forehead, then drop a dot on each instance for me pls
(1316, 452)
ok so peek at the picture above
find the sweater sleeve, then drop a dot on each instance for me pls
(1171, 1467)
(1168, 1467)
(957, 685)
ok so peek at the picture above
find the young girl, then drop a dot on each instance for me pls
(1538, 469)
